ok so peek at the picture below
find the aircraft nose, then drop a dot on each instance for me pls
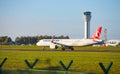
(37, 43)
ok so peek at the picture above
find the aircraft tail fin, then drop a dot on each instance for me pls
(97, 34)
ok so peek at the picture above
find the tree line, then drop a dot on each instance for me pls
(4, 40)
(26, 40)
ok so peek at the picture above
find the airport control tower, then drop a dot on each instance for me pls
(87, 18)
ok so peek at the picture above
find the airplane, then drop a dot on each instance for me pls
(112, 43)
(69, 43)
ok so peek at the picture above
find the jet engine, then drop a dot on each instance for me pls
(53, 46)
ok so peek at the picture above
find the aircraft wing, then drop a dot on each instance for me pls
(97, 40)
(60, 44)
(63, 45)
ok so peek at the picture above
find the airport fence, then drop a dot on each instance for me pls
(31, 69)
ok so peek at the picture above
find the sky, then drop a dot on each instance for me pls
(58, 17)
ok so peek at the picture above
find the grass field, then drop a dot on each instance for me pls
(82, 61)
(15, 47)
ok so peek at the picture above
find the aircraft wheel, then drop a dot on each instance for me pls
(63, 49)
(72, 49)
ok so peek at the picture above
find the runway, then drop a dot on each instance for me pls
(9, 50)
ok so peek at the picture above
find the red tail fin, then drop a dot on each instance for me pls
(97, 34)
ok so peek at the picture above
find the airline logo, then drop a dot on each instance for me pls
(97, 33)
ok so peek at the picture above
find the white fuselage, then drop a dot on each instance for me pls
(69, 42)
(113, 43)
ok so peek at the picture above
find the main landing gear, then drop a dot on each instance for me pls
(70, 47)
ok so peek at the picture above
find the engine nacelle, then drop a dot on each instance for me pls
(53, 46)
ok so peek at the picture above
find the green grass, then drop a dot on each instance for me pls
(16, 47)
(82, 61)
